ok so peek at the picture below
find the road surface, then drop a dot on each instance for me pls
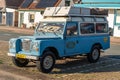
(10, 76)
(65, 69)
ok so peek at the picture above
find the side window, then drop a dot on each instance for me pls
(87, 28)
(67, 2)
(72, 29)
(101, 28)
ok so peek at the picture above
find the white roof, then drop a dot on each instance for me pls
(55, 19)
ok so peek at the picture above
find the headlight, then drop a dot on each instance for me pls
(12, 43)
(35, 46)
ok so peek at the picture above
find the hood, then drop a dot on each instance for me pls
(38, 37)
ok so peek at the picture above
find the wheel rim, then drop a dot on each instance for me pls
(95, 54)
(48, 62)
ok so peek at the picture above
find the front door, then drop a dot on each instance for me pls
(71, 39)
(9, 19)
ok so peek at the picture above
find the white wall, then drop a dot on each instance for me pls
(10, 10)
(19, 21)
(110, 18)
(26, 14)
(116, 31)
(38, 17)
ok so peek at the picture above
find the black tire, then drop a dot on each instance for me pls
(94, 55)
(47, 62)
(20, 62)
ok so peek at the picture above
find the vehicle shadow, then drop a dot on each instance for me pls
(30, 65)
(108, 63)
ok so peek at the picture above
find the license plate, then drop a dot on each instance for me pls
(20, 55)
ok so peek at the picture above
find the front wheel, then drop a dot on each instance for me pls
(47, 62)
(20, 62)
(94, 55)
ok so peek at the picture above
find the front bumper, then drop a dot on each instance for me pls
(26, 56)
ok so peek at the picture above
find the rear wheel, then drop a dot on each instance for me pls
(47, 62)
(94, 55)
(20, 62)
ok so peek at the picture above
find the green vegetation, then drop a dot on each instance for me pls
(1, 62)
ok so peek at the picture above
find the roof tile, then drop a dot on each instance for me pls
(39, 4)
(13, 3)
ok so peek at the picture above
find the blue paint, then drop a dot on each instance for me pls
(109, 4)
(103, 5)
(100, 1)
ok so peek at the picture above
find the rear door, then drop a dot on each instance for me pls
(87, 37)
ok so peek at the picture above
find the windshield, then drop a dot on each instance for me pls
(51, 27)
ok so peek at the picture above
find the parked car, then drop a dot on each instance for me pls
(60, 36)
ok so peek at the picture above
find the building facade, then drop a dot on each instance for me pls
(31, 11)
(9, 12)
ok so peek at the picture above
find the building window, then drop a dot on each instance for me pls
(31, 18)
(42, 12)
(117, 21)
(67, 2)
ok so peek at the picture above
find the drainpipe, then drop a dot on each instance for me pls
(114, 21)
(5, 10)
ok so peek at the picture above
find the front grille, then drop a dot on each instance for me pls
(26, 45)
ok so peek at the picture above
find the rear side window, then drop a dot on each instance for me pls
(87, 28)
(101, 28)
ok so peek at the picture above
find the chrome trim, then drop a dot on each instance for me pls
(26, 44)
(11, 54)
(27, 57)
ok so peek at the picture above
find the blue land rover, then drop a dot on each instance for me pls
(61, 36)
